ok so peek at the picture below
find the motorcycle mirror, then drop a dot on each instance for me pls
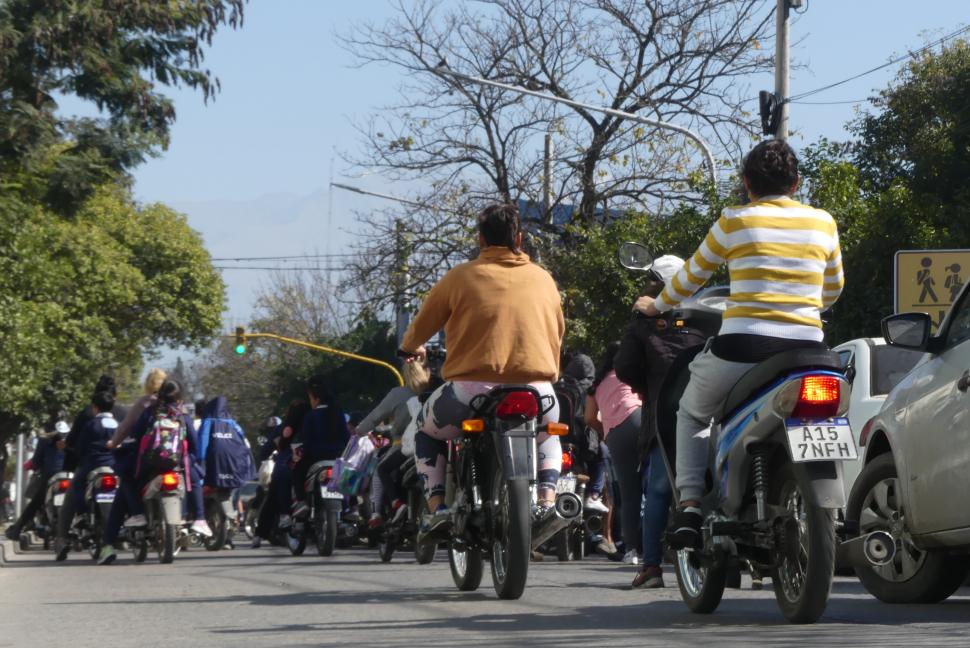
(634, 256)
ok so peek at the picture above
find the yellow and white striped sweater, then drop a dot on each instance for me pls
(785, 266)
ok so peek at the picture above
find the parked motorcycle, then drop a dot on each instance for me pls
(163, 497)
(492, 474)
(321, 523)
(404, 532)
(776, 475)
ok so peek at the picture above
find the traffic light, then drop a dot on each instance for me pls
(240, 340)
(770, 109)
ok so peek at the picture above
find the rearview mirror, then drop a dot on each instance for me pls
(908, 330)
(634, 256)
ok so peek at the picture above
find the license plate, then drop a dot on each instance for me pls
(59, 499)
(566, 484)
(326, 493)
(104, 497)
(829, 440)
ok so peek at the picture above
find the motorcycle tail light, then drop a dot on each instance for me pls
(326, 474)
(472, 425)
(518, 404)
(63, 485)
(567, 461)
(170, 481)
(109, 482)
(819, 397)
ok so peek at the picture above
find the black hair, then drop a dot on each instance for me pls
(605, 365)
(317, 387)
(499, 224)
(771, 168)
(106, 383)
(295, 413)
(104, 401)
(169, 393)
(199, 407)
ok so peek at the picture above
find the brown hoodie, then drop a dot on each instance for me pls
(502, 318)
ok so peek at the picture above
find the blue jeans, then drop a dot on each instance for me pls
(657, 493)
(598, 471)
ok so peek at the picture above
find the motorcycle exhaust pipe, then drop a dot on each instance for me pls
(594, 523)
(567, 508)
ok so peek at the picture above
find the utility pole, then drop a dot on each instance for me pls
(781, 64)
(548, 154)
(402, 314)
(20, 474)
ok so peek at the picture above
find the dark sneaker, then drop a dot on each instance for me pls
(650, 577)
(399, 510)
(12, 533)
(61, 548)
(437, 521)
(685, 528)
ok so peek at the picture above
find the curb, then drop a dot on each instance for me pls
(4, 549)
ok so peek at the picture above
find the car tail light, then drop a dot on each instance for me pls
(170, 481)
(63, 485)
(567, 461)
(819, 397)
(518, 404)
(109, 482)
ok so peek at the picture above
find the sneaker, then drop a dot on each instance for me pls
(107, 555)
(257, 543)
(605, 546)
(650, 577)
(686, 525)
(202, 528)
(437, 521)
(631, 557)
(352, 515)
(375, 521)
(595, 504)
(12, 533)
(61, 548)
(400, 511)
(285, 521)
(136, 521)
(299, 509)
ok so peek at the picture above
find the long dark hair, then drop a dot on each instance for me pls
(295, 414)
(169, 398)
(605, 365)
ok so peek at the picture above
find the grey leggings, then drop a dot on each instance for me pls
(622, 442)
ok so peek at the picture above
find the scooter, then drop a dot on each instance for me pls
(775, 468)
(404, 532)
(320, 523)
(99, 495)
(220, 515)
(163, 497)
(57, 487)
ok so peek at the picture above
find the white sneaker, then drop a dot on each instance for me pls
(596, 504)
(631, 558)
(285, 521)
(136, 521)
(202, 528)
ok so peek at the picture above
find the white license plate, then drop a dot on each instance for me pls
(829, 440)
(566, 484)
(326, 493)
(59, 499)
(104, 497)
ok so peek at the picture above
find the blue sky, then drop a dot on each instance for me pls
(251, 169)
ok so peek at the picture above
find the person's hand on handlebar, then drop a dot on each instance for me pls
(646, 306)
(418, 354)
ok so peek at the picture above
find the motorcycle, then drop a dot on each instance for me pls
(776, 448)
(321, 522)
(220, 514)
(163, 497)
(570, 542)
(490, 486)
(57, 487)
(404, 532)
(99, 494)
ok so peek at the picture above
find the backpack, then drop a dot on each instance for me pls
(165, 445)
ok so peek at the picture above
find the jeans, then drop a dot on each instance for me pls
(656, 505)
(622, 442)
(599, 470)
(710, 381)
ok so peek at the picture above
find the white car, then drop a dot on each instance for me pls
(874, 368)
(909, 499)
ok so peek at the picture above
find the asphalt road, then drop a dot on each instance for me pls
(266, 597)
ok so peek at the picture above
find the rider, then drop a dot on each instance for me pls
(93, 452)
(279, 498)
(323, 435)
(503, 320)
(785, 267)
(47, 460)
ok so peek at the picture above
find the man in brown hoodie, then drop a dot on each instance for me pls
(503, 322)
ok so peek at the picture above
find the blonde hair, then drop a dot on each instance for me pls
(154, 380)
(416, 376)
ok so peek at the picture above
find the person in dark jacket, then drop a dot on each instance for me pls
(324, 435)
(226, 459)
(47, 460)
(71, 457)
(276, 505)
(651, 351)
(93, 452)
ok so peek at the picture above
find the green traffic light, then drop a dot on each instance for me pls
(240, 349)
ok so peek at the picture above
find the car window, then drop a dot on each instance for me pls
(890, 365)
(959, 322)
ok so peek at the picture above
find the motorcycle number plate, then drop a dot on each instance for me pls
(105, 497)
(566, 484)
(828, 440)
(59, 499)
(326, 493)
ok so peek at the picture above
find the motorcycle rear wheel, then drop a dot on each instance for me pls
(385, 548)
(701, 587)
(802, 584)
(326, 530)
(216, 518)
(296, 544)
(467, 568)
(511, 536)
(166, 542)
(424, 553)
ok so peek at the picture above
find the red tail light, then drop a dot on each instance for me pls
(518, 404)
(109, 482)
(63, 485)
(819, 397)
(170, 481)
(567, 461)
(326, 474)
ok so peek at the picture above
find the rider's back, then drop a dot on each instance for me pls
(502, 318)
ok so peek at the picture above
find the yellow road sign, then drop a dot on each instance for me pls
(928, 281)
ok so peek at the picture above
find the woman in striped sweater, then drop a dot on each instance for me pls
(785, 267)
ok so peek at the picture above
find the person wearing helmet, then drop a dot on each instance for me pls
(48, 459)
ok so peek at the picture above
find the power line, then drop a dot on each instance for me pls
(285, 258)
(894, 61)
(828, 103)
(286, 268)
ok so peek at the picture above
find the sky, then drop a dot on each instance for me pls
(251, 169)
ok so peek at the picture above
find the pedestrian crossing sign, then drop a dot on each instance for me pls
(928, 281)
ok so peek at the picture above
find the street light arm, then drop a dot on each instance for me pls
(443, 68)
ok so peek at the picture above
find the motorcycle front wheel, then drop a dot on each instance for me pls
(467, 567)
(804, 554)
(296, 543)
(511, 535)
(424, 552)
(701, 586)
(326, 530)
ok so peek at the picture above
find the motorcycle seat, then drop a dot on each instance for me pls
(763, 374)
(59, 476)
(316, 468)
(101, 470)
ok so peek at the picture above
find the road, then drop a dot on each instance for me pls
(266, 597)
